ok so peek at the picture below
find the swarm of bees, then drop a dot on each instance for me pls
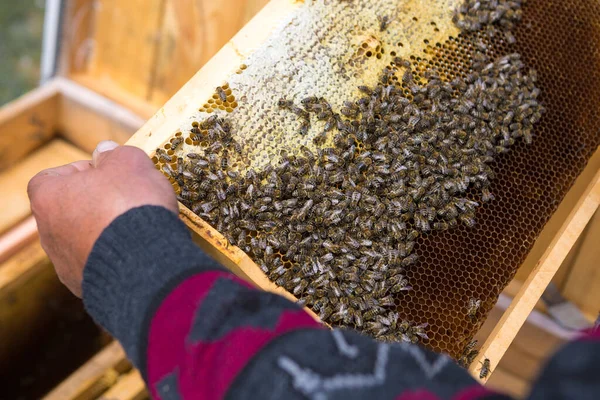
(338, 227)
(474, 15)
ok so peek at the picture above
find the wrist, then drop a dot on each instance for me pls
(134, 264)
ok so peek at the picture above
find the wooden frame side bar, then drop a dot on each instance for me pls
(530, 292)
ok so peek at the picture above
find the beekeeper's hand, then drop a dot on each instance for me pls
(72, 204)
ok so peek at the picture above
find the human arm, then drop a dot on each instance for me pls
(190, 326)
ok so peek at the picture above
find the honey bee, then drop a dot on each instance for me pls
(304, 127)
(180, 166)
(209, 122)
(467, 219)
(485, 368)
(409, 260)
(221, 93)
(401, 286)
(189, 196)
(325, 312)
(163, 156)
(486, 195)
(176, 143)
(284, 103)
(473, 308)
(384, 22)
(510, 38)
(224, 162)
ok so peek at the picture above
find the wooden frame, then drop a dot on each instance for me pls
(543, 261)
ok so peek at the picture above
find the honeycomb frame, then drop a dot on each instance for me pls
(168, 120)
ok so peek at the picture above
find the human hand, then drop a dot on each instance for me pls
(72, 204)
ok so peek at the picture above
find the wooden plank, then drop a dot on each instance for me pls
(27, 281)
(17, 238)
(583, 284)
(27, 123)
(95, 377)
(130, 386)
(14, 203)
(107, 87)
(512, 289)
(532, 289)
(192, 32)
(86, 117)
(157, 46)
(126, 37)
(528, 352)
(76, 41)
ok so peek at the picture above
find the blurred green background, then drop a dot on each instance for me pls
(21, 26)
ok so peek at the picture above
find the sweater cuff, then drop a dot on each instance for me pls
(135, 263)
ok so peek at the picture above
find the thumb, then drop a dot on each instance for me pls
(102, 151)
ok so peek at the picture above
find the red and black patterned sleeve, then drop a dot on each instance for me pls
(196, 331)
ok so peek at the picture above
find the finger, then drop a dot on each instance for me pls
(103, 149)
(124, 158)
(52, 173)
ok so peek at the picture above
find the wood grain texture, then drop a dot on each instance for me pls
(192, 32)
(556, 251)
(86, 118)
(14, 203)
(95, 377)
(27, 123)
(76, 41)
(126, 36)
(107, 87)
(21, 235)
(130, 386)
(140, 52)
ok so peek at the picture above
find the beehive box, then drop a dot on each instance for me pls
(545, 192)
(40, 321)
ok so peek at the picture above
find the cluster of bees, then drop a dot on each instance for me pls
(475, 15)
(337, 227)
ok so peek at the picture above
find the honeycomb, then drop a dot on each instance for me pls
(328, 48)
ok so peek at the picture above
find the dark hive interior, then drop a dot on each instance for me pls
(463, 264)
